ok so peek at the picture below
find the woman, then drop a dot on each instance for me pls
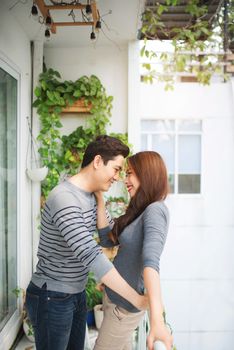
(140, 233)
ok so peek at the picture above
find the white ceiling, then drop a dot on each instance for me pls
(121, 26)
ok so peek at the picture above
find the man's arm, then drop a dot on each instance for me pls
(68, 219)
(113, 280)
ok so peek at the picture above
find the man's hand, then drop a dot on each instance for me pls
(143, 302)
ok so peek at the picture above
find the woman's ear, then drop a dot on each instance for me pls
(97, 161)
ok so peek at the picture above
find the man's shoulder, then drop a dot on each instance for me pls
(61, 193)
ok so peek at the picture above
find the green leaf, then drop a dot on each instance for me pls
(37, 91)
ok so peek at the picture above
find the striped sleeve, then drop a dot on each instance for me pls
(68, 219)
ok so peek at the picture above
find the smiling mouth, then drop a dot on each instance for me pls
(129, 188)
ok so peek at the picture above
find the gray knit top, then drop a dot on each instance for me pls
(141, 245)
(67, 250)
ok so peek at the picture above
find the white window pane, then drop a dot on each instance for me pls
(143, 142)
(164, 144)
(157, 125)
(189, 125)
(189, 154)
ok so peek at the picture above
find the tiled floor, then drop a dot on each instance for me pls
(25, 344)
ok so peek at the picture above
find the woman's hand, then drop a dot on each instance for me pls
(99, 196)
(160, 333)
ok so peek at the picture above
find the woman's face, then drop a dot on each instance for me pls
(132, 183)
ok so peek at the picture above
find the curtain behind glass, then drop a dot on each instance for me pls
(8, 199)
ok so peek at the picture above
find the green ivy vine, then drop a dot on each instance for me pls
(200, 35)
(63, 154)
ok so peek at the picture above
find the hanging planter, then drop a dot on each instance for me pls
(34, 170)
(37, 174)
(79, 106)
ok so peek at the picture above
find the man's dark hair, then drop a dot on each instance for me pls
(107, 147)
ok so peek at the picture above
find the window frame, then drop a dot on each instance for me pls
(11, 328)
(176, 133)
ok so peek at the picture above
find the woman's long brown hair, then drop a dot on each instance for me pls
(151, 172)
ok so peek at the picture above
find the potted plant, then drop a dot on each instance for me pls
(94, 298)
(27, 326)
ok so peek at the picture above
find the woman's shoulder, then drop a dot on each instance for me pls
(156, 208)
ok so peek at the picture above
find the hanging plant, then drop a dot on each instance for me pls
(52, 95)
(34, 170)
(193, 45)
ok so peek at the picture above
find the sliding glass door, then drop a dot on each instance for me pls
(8, 195)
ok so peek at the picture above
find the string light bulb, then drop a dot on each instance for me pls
(47, 33)
(34, 10)
(98, 25)
(88, 9)
(92, 36)
(48, 21)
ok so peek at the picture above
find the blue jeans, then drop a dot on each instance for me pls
(58, 319)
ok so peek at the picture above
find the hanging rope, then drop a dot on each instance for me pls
(34, 148)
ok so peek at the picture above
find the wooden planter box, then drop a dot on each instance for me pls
(78, 107)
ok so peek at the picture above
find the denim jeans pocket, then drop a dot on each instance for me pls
(31, 304)
(58, 296)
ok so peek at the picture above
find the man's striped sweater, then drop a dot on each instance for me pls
(67, 250)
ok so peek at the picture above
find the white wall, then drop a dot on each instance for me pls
(15, 51)
(197, 264)
(108, 63)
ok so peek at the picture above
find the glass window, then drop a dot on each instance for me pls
(179, 143)
(189, 125)
(144, 142)
(189, 163)
(157, 125)
(8, 200)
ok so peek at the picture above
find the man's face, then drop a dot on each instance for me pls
(107, 173)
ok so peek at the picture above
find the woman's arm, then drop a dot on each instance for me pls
(155, 227)
(158, 330)
(102, 220)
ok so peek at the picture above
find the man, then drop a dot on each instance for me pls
(55, 298)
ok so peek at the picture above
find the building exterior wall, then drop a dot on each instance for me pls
(197, 264)
(15, 52)
(108, 63)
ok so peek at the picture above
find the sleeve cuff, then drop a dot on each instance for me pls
(153, 265)
(100, 266)
(104, 231)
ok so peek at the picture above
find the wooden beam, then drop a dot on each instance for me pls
(73, 24)
(65, 7)
(44, 11)
(230, 69)
(95, 13)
